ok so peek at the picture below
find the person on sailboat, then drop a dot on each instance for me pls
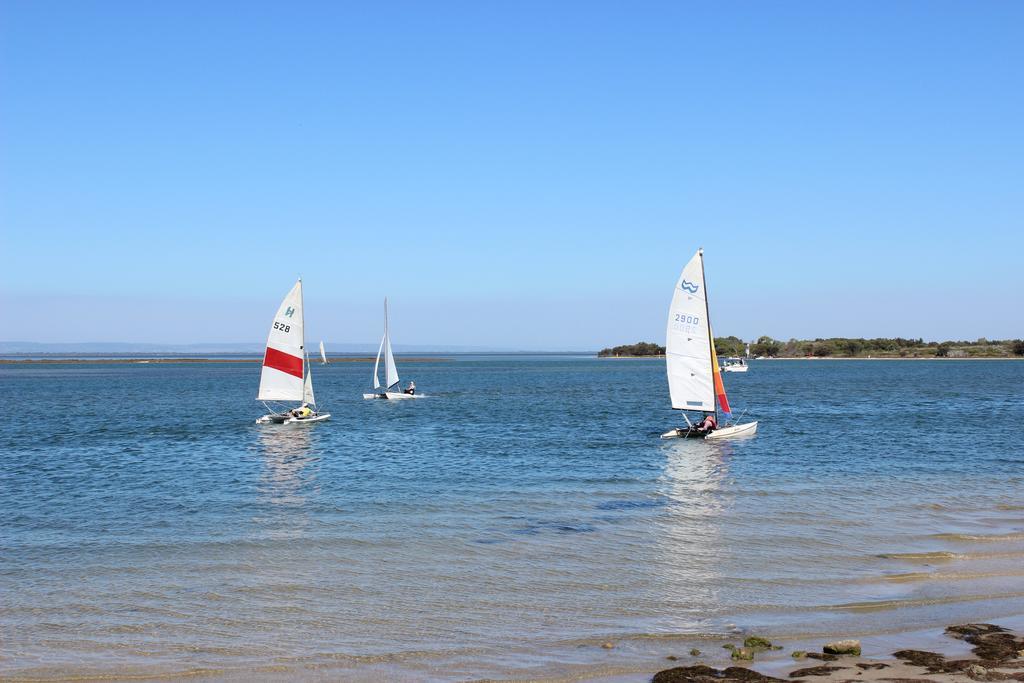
(411, 389)
(302, 411)
(708, 424)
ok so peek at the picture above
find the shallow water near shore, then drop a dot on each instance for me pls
(507, 525)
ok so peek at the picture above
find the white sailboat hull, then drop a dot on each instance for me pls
(392, 395)
(735, 368)
(746, 429)
(735, 431)
(680, 434)
(277, 418)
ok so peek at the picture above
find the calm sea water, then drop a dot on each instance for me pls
(505, 526)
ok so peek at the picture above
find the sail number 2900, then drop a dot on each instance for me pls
(687, 319)
(282, 327)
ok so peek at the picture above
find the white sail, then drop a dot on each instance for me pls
(390, 370)
(323, 354)
(376, 365)
(307, 385)
(687, 343)
(282, 376)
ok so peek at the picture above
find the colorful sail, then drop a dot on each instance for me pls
(283, 373)
(723, 400)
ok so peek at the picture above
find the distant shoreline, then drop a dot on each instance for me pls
(170, 361)
(419, 359)
(838, 358)
(838, 347)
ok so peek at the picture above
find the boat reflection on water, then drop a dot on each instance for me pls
(289, 468)
(692, 552)
(694, 472)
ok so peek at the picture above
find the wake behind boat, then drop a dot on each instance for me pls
(389, 390)
(694, 378)
(287, 375)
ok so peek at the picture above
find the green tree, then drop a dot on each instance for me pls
(729, 346)
(765, 346)
(821, 349)
(942, 350)
(852, 346)
(638, 349)
(1018, 347)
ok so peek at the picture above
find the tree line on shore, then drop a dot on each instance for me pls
(841, 347)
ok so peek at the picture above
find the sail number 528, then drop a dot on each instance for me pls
(282, 327)
(687, 319)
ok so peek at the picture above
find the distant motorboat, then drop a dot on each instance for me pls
(694, 378)
(735, 365)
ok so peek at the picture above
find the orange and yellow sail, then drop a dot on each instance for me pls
(723, 400)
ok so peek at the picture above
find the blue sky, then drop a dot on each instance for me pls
(521, 175)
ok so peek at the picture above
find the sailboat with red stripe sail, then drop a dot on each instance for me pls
(694, 378)
(287, 374)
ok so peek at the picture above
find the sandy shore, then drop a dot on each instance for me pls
(977, 652)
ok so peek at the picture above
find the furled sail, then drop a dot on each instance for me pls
(282, 376)
(688, 348)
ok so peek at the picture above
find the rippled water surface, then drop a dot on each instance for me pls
(505, 526)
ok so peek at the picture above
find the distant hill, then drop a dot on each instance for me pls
(632, 351)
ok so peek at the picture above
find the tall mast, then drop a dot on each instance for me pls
(711, 339)
(302, 321)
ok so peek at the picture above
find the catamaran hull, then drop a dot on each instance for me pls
(746, 429)
(392, 396)
(735, 431)
(683, 434)
(276, 418)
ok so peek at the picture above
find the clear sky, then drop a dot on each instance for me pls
(512, 174)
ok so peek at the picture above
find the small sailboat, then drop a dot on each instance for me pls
(323, 354)
(390, 389)
(694, 379)
(286, 374)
